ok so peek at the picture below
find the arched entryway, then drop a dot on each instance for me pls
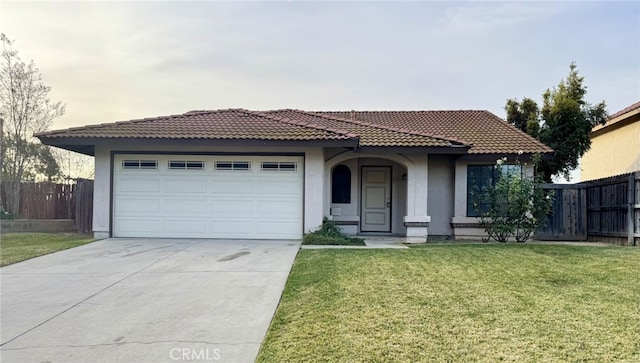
(367, 194)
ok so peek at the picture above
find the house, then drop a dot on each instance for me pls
(276, 174)
(615, 146)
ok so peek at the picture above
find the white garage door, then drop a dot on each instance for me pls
(194, 196)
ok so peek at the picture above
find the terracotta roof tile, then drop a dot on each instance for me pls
(614, 119)
(479, 131)
(627, 109)
(372, 135)
(488, 133)
(219, 124)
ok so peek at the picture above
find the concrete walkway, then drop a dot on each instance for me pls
(144, 300)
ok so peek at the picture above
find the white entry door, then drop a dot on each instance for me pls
(376, 199)
(207, 196)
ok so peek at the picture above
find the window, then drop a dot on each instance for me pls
(139, 164)
(233, 165)
(482, 177)
(186, 165)
(341, 184)
(279, 166)
(288, 166)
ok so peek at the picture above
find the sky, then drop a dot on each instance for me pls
(112, 61)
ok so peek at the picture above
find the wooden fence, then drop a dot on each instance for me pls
(568, 218)
(604, 209)
(56, 201)
(83, 203)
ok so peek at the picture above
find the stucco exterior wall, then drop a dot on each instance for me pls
(441, 195)
(313, 179)
(102, 193)
(612, 153)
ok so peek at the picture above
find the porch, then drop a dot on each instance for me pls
(373, 195)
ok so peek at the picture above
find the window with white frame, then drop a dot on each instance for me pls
(139, 164)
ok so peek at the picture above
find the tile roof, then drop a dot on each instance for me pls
(372, 135)
(479, 132)
(627, 109)
(617, 117)
(488, 133)
(219, 124)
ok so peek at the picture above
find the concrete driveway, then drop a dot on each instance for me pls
(144, 300)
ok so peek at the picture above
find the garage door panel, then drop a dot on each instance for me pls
(185, 206)
(278, 187)
(183, 185)
(140, 225)
(231, 186)
(137, 205)
(231, 208)
(137, 184)
(208, 203)
(278, 208)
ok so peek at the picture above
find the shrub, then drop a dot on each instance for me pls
(517, 206)
(6, 215)
(330, 234)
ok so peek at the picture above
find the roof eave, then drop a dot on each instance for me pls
(86, 145)
(511, 156)
(453, 150)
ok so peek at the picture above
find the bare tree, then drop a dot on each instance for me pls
(73, 165)
(26, 109)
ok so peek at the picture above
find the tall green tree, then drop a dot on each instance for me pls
(25, 109)
(563, 123)
(524, 115)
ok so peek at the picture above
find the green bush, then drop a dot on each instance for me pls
(6, 215)
(518, 205)
(330, 234)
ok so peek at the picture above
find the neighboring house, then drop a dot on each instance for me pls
(615, 146)
(275, 174)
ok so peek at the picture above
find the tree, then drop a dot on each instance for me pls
(25, 109)
(524, 115)
(564, 123)
(73, 165)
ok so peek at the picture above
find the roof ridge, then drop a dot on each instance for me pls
(399, 111)
(388, 128)
(301, 123)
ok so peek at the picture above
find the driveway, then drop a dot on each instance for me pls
(144, 300)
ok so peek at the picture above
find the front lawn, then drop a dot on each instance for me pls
(16, 247)
(460, 303)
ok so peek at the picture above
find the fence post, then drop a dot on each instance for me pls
(631, 213)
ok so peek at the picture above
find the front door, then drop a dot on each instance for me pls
(376, 199)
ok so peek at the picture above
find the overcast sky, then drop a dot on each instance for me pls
(115, 61)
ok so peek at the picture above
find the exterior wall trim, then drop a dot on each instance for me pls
(346, 223)
(416, 224)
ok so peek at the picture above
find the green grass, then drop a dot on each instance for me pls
(460, 303)
(16, 247)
